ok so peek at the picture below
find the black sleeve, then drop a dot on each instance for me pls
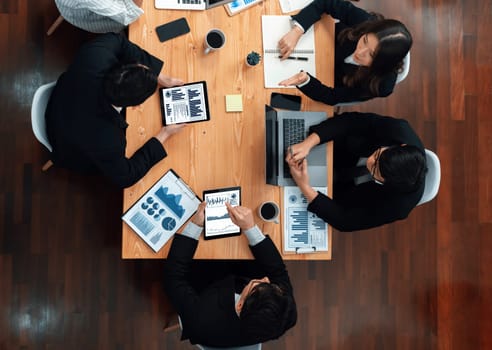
(109, 49)
(317, 91)
(354, 217)
(343, 10)
(369, 126)
(123, 171)
(176, 275)
(267, 255)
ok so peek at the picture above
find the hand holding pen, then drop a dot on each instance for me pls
(299, 58)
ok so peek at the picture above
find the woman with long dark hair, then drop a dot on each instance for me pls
(369, 52)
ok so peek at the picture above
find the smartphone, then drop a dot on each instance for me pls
(285, 101)
(172, 29)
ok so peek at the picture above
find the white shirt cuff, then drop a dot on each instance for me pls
(295, 23)
(192, 230)
(254, 235)
(305, 83)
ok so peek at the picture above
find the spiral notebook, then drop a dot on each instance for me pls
(273, 29)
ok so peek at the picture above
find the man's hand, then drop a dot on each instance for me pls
(166, 81)
(289, 41)
(296, 79)
(241, 216)
(168, 131)
(199, 217)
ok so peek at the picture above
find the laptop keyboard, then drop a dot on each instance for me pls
(293, 133)
(193, 2)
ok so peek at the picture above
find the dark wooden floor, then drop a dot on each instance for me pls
(425, 283)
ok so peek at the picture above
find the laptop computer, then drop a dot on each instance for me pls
(189, 4)
(284, 128)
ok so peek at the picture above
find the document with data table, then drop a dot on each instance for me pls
(304, 232)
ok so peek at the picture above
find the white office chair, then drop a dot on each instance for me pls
(400, 77)
(432, 178)
(38, 121)
(203, 347)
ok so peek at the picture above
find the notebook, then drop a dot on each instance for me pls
(284, 128)
(273, 29)
(189, 4)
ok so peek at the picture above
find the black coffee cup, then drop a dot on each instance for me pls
(268, 211)
(214, 40)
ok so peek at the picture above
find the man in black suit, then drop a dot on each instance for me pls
(233, 311)
(391, 154)
(85, 115)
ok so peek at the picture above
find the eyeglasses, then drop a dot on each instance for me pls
(376, 162)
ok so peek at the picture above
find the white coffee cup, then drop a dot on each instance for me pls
(269, 211)
(214, 40)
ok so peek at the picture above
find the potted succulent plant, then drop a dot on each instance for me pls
(253, 58)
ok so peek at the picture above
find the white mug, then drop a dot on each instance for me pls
(269, 211)
(214, 40)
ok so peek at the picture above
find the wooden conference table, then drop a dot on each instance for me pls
(228, 150)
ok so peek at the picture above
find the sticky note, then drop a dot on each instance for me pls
(234, 103)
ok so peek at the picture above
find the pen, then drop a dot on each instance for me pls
(295, 58)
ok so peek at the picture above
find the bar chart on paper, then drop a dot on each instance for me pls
(303, 231)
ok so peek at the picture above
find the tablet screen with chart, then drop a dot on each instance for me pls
(187, 103)
(218, 223)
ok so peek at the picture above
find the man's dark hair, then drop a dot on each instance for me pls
(403, 167)
(267, 312)
(129, 84)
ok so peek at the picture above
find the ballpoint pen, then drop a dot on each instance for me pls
(299, 58)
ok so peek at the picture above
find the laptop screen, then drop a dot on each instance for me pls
(271, 157)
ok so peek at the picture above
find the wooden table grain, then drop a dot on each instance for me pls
(229, 149)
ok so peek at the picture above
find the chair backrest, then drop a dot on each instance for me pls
(432, 178)
(400, 77)
(406, 68)
(203, 347)
(38, 109)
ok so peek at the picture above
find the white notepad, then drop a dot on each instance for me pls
(273, 29)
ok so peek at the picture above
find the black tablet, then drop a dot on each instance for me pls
(218, 224)
(285, 101)
(187, 103)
